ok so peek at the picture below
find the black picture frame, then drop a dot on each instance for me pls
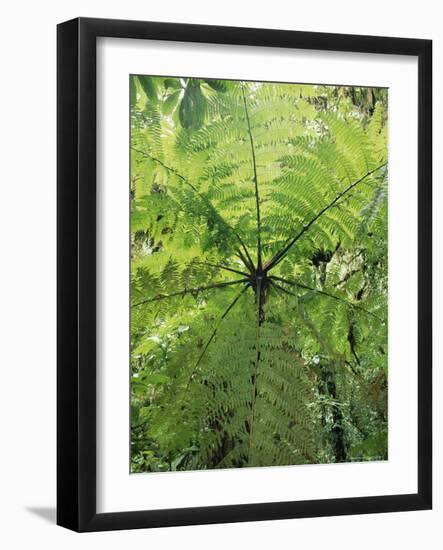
(76, 265)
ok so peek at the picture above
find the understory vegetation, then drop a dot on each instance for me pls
(258, 274)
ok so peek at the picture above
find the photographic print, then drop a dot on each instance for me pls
(259, 274)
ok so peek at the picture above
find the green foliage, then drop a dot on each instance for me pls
(258, 274)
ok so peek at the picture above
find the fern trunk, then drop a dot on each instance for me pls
(337, 437)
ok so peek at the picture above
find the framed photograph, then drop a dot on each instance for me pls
(244, 274)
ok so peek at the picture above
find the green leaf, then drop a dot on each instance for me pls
(156, 378)
(171, 102)
(172, 83)
(133, 90)
(149, 87)
(219, 85)
(193, 107)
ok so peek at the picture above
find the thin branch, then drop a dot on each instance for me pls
(251, 263)
(169, 169)
(214, 332)
(227, 268)
(347, 277)
(189, 291)
(279, 287)
(306, 287)
(254, 164)
(290, 242)
(192, 186)
(186, 182)
(260, 319)
(260, 293)
(244, 260)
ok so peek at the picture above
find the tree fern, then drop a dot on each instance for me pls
(258, 274)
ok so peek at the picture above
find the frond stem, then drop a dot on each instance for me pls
(279, 287)
(257, 196)
(214, 332)
(260, 319)
(186, 182)
(250, 265)
(306, 287)
(169, 169)
(189, 291)
(290, 242)
(228, 269)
